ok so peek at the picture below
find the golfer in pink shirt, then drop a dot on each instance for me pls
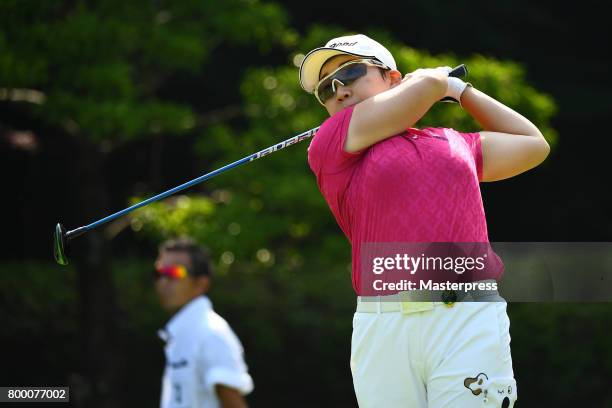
(387, 182)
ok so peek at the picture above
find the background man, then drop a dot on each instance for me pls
(204, 358)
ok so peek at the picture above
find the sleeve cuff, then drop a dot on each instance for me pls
(240, 381)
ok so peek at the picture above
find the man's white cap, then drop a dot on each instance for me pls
(358, 45)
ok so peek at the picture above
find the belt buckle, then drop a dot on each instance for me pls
(449, 297)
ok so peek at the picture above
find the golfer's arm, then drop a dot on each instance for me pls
(230, 397)
(393, 111)
(511, 144)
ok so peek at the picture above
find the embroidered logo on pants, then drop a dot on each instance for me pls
(480, 385)
(475, 384)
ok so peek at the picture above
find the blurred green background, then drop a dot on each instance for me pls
(104, 103)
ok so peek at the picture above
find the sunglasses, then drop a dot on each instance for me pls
(344, 75)
(175, 272)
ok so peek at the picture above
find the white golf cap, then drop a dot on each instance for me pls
(358, 45)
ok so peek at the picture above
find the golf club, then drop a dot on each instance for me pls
(61, 236)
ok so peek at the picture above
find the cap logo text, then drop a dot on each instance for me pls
(342, 44)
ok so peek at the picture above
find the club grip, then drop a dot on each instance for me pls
(459, 71)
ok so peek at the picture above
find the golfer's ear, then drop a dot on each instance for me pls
(395, 77)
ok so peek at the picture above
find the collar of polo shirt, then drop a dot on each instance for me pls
(185, 316)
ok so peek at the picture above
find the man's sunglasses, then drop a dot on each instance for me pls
(344, 75)
(171, 271)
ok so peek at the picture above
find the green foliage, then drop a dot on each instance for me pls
(101, 64)
(562, 350)
(179, 215)
(36, 297)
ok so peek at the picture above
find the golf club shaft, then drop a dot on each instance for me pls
(293, 140)
(458, 71)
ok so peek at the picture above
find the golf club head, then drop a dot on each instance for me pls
(59, 245)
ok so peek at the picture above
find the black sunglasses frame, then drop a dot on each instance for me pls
(345, 74)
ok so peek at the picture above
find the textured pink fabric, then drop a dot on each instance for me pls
(418, 186)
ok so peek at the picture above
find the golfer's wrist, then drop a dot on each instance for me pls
(468, 89)
(455, 88)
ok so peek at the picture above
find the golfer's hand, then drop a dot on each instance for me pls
(439, 73)
(455, 86)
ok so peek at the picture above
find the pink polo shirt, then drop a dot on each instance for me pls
(418, 186)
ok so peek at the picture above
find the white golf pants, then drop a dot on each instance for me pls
(430, 355)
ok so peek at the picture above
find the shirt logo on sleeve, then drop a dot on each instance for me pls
(177, 364)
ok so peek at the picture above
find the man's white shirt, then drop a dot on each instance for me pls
(201, 352)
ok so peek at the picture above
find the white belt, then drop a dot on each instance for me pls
(385, 306)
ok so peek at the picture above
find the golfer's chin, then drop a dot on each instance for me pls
(341, 106)
(170, 305)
